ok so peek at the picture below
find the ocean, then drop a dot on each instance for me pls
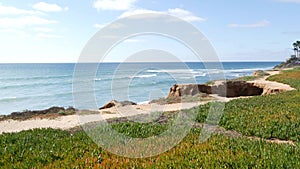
(40, 86)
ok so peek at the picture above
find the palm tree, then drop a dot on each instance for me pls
(296, 46)
(296, 49)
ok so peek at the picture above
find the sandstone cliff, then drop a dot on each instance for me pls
(229, 88)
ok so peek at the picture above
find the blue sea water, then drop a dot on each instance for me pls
(40, 86)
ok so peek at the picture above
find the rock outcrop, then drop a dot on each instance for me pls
(115, 103)
(188, 90)
(225, 89)
(240, 88)
(272, 87)
(230, 88)
(27, 114)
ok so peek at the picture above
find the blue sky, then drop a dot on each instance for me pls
(56, 30)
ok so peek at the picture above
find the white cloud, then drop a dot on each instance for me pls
(10, 10)
(114, 4)
(43, 29)
(185, 15)
(137, 12)
(46, 7)
(260, 24)
(177, 12)
(48, 36)
(99, 26)
(15, 31)
(23, 21)
(289, 1)
(110, 25)
(132, 41)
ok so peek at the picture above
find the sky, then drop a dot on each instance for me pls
(56, 31)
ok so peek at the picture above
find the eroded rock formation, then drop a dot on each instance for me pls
(228, 89)
(272, 87)
(188, 90)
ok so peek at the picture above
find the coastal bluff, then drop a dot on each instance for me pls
(224, 89)
(229, 88)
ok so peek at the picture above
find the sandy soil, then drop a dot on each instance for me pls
(67, 122)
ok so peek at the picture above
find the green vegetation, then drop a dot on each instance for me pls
(256, 75)
(50, 148)
(289, 63)
(290, 77)
(245, 78)
(47, 148)
(273, 116)
(66, 112)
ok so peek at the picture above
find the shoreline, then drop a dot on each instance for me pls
(81, 117)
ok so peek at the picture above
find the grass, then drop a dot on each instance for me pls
(273, 116)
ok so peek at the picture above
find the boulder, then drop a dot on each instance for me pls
(114, 103)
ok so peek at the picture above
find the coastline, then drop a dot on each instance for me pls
(40, 86)
(67, 122)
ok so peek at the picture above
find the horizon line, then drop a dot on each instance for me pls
(143, 62)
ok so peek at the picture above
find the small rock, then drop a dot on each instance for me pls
(260, 73)
(115, 103)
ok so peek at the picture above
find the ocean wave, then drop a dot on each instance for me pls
(36, 77)
(8, 99)
(145, 76)
(200, 75)
(111, 78)
(246, 70)
(125, 77)
(39, 97)
(35, 85)
(177, 71)
(201, 72)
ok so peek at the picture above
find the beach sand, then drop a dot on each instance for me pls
(70, 121)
